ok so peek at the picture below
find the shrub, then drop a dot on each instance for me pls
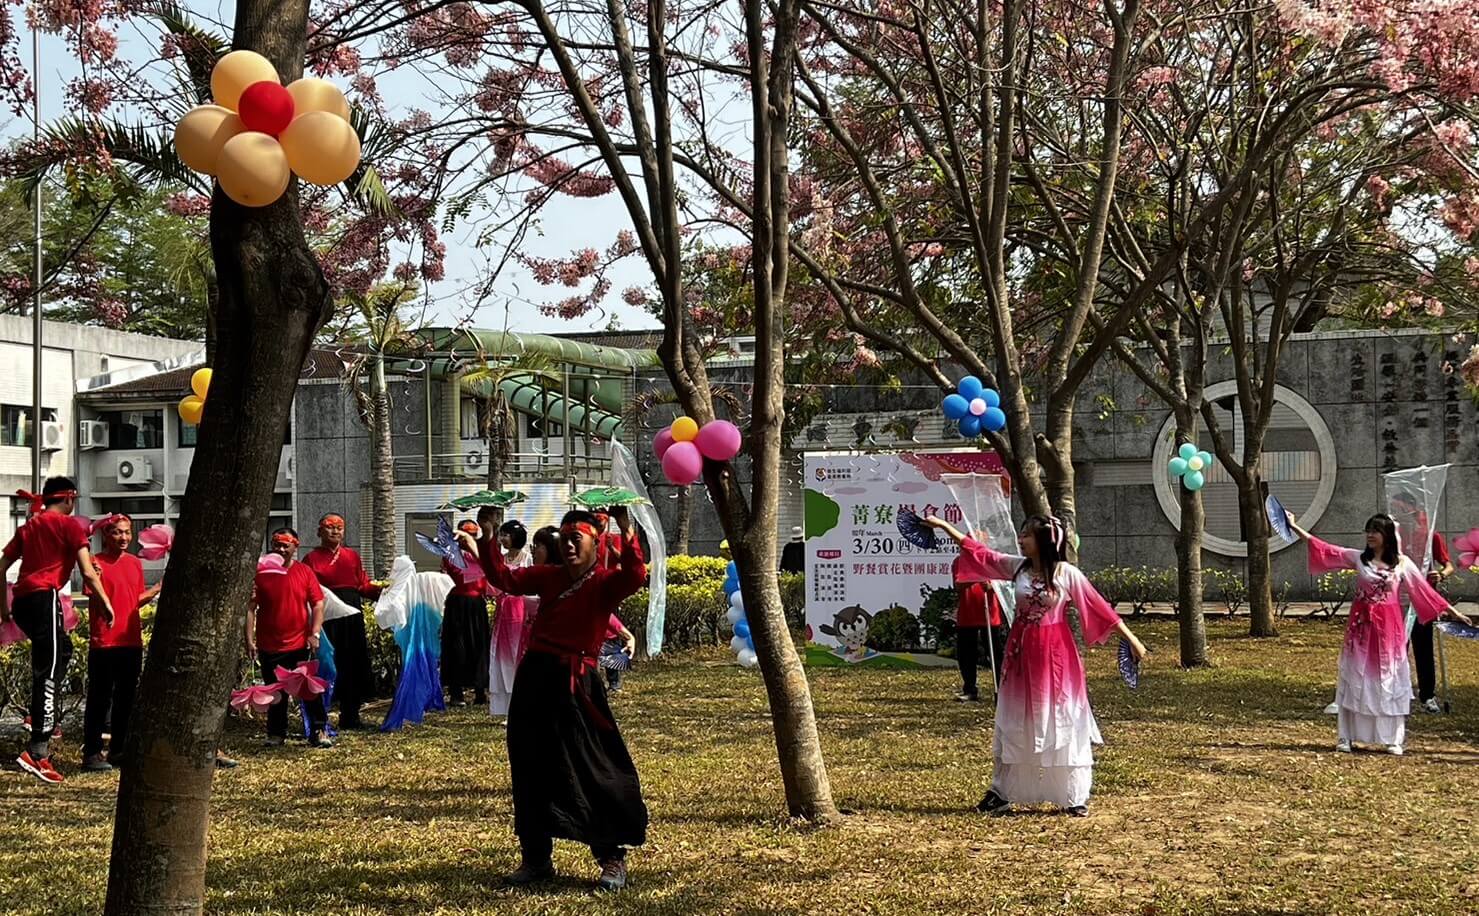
(1136, 586)
(15, 676)
(894, 629)
(1333, 590)
(1282, 599)
(937, 617)
(1231, 588)
(686, 570)
(793, 600)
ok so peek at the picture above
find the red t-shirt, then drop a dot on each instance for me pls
(284, 608)
(1440, 551)
(613, 627)
(47, 546)
(123, 579)
(975, 597)
(468, 583)
(340, 568)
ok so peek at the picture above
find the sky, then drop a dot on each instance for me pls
(565, 225)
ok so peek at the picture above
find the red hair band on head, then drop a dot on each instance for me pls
(286, 539)
(103, 523)
(38, 500)
(585, 528)
(469, 527)
(332, 520)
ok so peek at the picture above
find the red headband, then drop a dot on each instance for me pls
(469, 527)
(331, 519)
(284, 538)
(103, 523)
(585, 528)
(38, 500)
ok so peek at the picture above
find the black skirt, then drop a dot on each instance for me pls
(353, 682)
(572, 776)
(465, 639)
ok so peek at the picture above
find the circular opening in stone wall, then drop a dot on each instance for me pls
(1298, 465)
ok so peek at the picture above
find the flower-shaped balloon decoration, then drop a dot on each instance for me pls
(303, 682)
(1191, 466)
(1468, 549)
(257, 698)
(975, 407)
(271, 564)
(259, 133)
(742, 643)
(192, 406)
(155, 542)
(683, 447)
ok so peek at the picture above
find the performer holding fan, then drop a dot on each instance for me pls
(1374, 690)
(1045, 731)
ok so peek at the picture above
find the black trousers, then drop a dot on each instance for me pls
(112, 679)
(39, 616)
(352, 680)
(968, 644)
(1422, 657)
(277, 715)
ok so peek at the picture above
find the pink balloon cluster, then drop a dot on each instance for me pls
(684, 445)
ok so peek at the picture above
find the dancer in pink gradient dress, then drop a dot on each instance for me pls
(509, 630)
(1045, 731)
(1374, 686)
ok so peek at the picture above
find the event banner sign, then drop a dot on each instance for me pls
(863, 579)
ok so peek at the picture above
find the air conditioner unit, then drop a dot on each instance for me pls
(474, 464)
(92, 434)
(285, 467)
(53, 436)
(134, 470)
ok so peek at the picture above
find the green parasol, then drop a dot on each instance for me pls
(501, 500)
(601, 497)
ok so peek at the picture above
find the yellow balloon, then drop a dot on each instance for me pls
(684, 429)
(321, 148)
(200, 382)
(190, 409)
(201, 133)
(235, 72)
(253, 170)
(313, 94)
(1194, 464)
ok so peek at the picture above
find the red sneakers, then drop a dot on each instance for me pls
(41, 769)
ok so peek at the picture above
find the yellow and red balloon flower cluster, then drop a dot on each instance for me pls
(192, 406)
(260, 132)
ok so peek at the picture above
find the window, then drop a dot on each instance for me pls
(132, 506)
(282, 502)
(134, 429)
(189, 436)
(15, 423)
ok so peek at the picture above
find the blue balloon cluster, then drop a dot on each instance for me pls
(975, 407)
(1191, 466)
(743, 643)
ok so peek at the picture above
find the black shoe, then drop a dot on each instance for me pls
(1077, 811)
(527, 874)
(274, 741)
(225, 763)
(993, 804)
(94, 763)
(613, 875)
(965, 697)
(456, 699)
(320, 740)
(480, 698)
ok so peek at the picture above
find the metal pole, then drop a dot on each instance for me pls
(36, 342)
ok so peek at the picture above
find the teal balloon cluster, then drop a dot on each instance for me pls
(1191, 466)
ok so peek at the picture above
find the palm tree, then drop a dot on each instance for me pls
(382, 331)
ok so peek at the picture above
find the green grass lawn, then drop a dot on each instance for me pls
(1217, 791)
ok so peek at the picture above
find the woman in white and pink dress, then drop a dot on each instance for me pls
(1045, 731)
(508, 623)
(1374, 687)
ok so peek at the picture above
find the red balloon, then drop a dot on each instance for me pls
(267, 107)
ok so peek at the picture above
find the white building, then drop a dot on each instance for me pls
(72, 355)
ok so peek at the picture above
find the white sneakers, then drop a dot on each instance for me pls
(1332, 710)
(1342, 747)
(1394, 749)
(1431, 705)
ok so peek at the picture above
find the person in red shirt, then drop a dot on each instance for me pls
(973, 625)
(467, 634)
(619, 641)
(284, 620)
(572, 775)
(47, 546)
(115, 653)
(340, 570)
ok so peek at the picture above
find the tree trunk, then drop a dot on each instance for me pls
(500, 444)
(684, 525)
(1191, 625)
(273, 298)
(1260, 572)
(382, 473)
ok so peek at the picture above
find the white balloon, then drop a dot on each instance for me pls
(748, 659)
(738, 644)
(737, 601)
(734, 615)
